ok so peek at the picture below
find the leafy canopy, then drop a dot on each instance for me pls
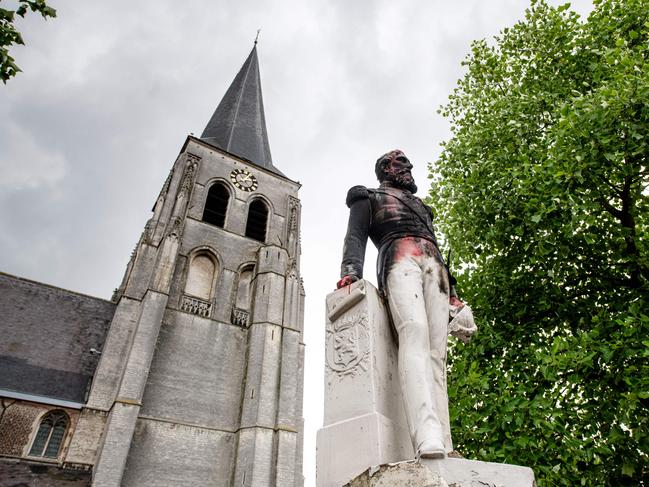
(542, 191)
(9, 36)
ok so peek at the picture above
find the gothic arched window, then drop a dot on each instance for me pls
(257, 220)
(49, 438)
(241, 309)
(216, 205)
(243, 288)
(200, 278)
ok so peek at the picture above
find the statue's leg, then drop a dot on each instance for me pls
(436, 288)
(406, 300)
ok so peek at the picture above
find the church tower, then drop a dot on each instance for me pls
(200, 379)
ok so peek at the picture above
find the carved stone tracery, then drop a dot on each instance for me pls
(189, 176)
(196, 306)
(175, 226)
(292, 226)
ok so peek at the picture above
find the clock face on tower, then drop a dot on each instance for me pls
(243, 180)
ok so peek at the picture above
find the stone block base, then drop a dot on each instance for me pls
(449, 472)
(347, 447)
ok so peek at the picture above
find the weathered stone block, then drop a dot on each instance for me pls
(260, 400)
(285, 471)
(347, 447)
(460, 472)
(255, 461)
(86, 437)
(404, 474)
(138, 281)
(143, 347)
(116, 446)
(169, 455)
(197, 372)
(289, 380)
(272, 259)
(448, 472)
(269, 298)
(111, 365)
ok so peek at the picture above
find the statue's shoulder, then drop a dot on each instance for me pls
(356, 193)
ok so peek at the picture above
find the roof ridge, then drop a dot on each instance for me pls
(53, 286)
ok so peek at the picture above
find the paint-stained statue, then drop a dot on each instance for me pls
(418, 289)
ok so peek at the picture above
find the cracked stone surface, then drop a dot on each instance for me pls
(402, 474)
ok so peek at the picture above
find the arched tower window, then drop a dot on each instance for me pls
(51, 432)
(202, 270)
(201, 276)
(241, 309)
(216, 205)
(257, 220)
(243, 289)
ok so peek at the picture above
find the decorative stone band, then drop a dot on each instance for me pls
(196, 306)
(81, 467)
(240, 317)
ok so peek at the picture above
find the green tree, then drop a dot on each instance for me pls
(9, 36)
(542, 191)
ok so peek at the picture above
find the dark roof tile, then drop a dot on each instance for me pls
(47, 336)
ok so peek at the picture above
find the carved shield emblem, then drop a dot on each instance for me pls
(347, 344)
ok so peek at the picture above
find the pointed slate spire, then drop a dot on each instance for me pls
(238, 125)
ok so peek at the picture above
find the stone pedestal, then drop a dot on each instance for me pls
(364, 421)
(449, 472)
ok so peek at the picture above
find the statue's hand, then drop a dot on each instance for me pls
(454, 301)
(346, 281)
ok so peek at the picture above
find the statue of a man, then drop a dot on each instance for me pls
(417, 286)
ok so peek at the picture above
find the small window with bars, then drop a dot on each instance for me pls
(51, 433)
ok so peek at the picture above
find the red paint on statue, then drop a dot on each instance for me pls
(412, 247)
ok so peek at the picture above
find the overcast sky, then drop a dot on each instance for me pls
(110, 90)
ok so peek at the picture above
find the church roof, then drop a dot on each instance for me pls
(238, 125)
(51, 338)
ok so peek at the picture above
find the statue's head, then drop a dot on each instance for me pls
(395, 167)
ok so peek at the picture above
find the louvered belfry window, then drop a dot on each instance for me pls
(50, 435)
(216, 205)
(257, 220)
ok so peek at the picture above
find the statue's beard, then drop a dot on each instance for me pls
(403, 181)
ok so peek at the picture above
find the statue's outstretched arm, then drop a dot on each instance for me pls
(358, 228)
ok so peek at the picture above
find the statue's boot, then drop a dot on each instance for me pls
(431, 449)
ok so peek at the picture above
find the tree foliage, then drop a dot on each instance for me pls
(542, 191)
(9, 36)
